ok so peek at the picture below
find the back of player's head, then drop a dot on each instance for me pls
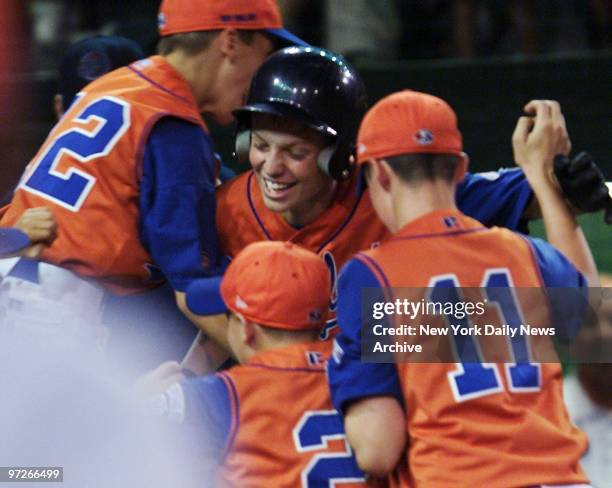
(91, 58)
(191, 24)
(415, 132)
(315, 87)
(275, 284)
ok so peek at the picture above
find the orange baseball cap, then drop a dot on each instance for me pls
(275, 284)
(176, 16)
(408, 122)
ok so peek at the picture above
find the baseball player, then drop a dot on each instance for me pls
(129, 170)
(83, 62)
(91, 58)
(298, 132)
(87, 60)
(269, 420)
(469, 423)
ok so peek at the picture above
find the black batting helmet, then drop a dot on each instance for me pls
(91, 58)
(316, 87)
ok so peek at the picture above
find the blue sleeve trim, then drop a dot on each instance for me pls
(495, 198)
(234, 413)
(226, 173)
(349, 378)
(208, 408)
(554, 267)
(177, 202)
(566, 287)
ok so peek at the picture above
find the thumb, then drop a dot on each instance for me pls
(33, 251)
(521, 131)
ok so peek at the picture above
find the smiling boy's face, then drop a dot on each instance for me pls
(283, 155)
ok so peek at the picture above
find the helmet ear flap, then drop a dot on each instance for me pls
(242, 146)
(325, 157)
(334, 160)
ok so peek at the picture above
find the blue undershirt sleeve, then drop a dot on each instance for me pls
(208, 409)
(349, 378)
(567, 288)
(177, 202)
(495, 197)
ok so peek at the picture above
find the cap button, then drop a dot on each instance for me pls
(288, 245)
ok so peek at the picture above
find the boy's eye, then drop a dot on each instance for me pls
(298, 155)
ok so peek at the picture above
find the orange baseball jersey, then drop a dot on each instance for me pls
(350, 224)
(470, 423)
(88, 171)
(273, 421)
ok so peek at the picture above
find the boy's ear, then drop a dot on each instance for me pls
(383, 173)
(249, 333)
(58, 105)
(228, 42)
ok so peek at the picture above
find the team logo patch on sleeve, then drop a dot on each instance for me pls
(450, 221)
(314, 358)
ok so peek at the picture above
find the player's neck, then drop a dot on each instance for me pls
(273, 339)
(411, 202)
(312, 208)
(191, 68)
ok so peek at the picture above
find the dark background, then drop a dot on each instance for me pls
(487, 58)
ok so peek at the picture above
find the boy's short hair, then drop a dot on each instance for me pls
(281, 335)
(194, 42)
(414, 168)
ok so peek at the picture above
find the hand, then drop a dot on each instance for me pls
(583, 184)
(39, 224)
(161, 378)
(537, 140)
(32, 252)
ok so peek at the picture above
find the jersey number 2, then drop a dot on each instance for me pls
(70, 188)
(473, 378)
(326, 469)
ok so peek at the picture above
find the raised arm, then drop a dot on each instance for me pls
(536, 141)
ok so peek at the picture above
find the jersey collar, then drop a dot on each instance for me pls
(317, 233)
(303, 356)
(439, 222)
(173, 82)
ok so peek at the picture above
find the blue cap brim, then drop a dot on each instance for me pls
(12, 241)
(204, 297)
(287, 38)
